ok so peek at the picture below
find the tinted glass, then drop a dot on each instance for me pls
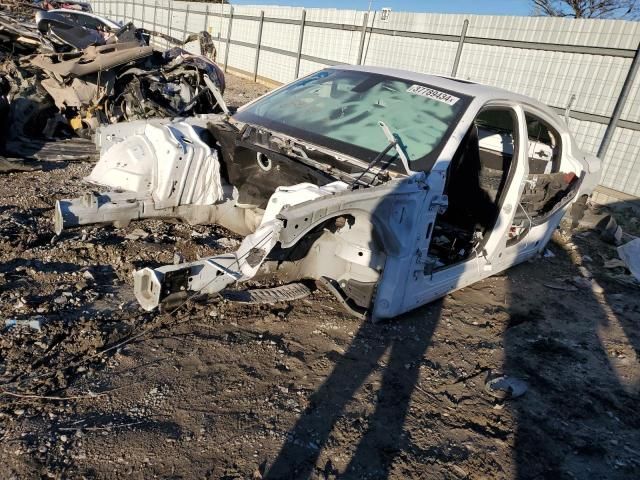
(340, 109)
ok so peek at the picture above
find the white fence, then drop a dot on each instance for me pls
(584, 64)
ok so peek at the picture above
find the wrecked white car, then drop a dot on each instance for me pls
(391, 188)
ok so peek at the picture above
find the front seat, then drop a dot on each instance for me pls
(470, 207)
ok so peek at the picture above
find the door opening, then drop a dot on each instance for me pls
(477, 179)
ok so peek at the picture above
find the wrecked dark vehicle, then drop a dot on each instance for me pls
(76, 30)
(72, 71)
(391, 188)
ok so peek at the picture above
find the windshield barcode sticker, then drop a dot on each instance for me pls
(433, 94)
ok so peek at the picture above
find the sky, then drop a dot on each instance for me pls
(488, 7)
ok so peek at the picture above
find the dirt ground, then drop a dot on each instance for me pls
(221, 390)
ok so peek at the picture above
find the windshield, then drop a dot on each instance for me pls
(341, 110)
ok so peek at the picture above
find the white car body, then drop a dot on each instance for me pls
(380, 246)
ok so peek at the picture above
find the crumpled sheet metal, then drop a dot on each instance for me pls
(91, 60)
(77, 94)
(629, 253)
(213, 274)
(19, 33)
(73, 30)
(8, 165)
(181, 85)
(205, 41)
(170, 163)
(125, 81)
(72, 149)
(60, 95)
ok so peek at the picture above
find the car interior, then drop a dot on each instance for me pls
(477, 177)
(479, 174)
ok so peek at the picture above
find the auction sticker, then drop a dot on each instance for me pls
(433, 94)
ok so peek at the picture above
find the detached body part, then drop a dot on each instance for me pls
(391, 188)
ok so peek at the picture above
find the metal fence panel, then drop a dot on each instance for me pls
(338, 45)
(277, 35)
(622, 168)
(560, 31)
(551, 77)
(415, 54)
(276, 67)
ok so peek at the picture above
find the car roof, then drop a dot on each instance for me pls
(104, 20)
(479, 91)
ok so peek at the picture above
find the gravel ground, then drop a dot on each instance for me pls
(302, 390)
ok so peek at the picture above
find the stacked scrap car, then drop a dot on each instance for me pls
(75, 30)
(18, 34)
(126, 81)
(92, 71)
(69, 5)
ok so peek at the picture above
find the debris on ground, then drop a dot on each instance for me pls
(560, 286)
(614, 263)
(137, 234)
(630, 254)
(8, 165)
(34, 323)
(611, 231)
(504, 386)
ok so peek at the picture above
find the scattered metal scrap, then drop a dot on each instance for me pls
(68, 71)
(630, 255)
(504, 386)
(18, 33)
(283, 293)
(128, 81)
(8, 165)
(69, 149)
(31, 127)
